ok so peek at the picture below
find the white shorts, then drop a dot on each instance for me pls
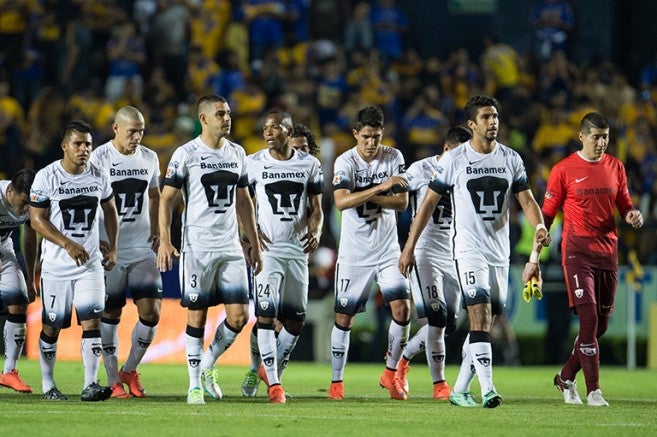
(58, 295)
(281, 288)
(142, 278)
(436, 292)
(353, 285)
(13, 288)
(482, 283)
(211, 278)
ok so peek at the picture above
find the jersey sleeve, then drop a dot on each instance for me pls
(440, 181)
(250, 169)
(316, 179)
(623, 198)
(414, 177)
(343, 175)
(243, 180)
(520, 179)
(399, 169)
(177, 169)
(106, 187)
(155, 180)
(39, 192)
(555, 192)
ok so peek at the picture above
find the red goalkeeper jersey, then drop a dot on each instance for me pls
(588, 192)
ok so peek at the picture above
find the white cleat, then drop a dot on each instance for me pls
(209, 383)
(195, 396)
(569, 390)
(595, 399)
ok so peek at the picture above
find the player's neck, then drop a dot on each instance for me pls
(482, 145)
(121, 150)
(213, 143)
(282, 154)
(72, 168)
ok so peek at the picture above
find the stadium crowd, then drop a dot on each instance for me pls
(66, 59)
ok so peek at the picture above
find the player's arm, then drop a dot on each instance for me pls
(396, 201)
(112, 229)
(424, 213)
(42, 224)
(345, 199)
(153, 215)
(166, 251)
(315, 223)
(541, 235)
(246, 218)
(30, 255)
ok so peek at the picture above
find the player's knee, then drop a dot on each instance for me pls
(294, 327)
(438, 318)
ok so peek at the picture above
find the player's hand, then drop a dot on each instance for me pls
(104, 247)
(529, 271)
(165, 254)
(264, 240)
(393, 181)
(253, 256)
(542, 237)
(634, 218)
(77, 252)
(311, 242)
(406, 262)
(155, 242)
(109, 260)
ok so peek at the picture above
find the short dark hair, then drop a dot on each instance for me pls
(369, 116)
(593, 120)
(301, 130)
(207, 99)
(477, 102)
(75, 125)
(286, 118)
(458, 134)
(21, 182)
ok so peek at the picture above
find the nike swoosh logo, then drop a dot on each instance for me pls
(203, 158)
(300, 313)
(359, 171)
(96, 311)
(114, 164)
(64, 183)
(267, 167)
(578, 180)
(480, 355)
(266, 355)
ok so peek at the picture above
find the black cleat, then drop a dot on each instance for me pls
(54, 395)
(95, 392)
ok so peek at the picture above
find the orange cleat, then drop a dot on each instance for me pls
(390, 381)
(133, 383)
(13, 381)
(336, 391)
(118, 392)
(262, 374)
(276, 394)
(402, 373)
(441, 391)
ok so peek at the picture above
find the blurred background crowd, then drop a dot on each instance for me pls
(320, 60)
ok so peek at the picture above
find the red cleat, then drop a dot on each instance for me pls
(262, 374)
(131, 379)
(336, 391)
(441, 391)
(13, 381)
(276, 394)
(402, 373)
(390, 381)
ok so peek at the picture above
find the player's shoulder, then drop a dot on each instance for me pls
(147, 152)
(101, 151)
(388, 152)
(235, 148)
(306, 158)
(258, 156)
(95, 170)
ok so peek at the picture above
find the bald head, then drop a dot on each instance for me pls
(128, 129)
(128, 113)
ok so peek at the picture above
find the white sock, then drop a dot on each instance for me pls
(267, 347)
(397, 338)
(482, 357)
(142, 337)
(110, 343)
(254, 349)
(14, 335)
(339, 352)
(91, 349)
(416, 344)
(435, 352)
(286, 343)
(223, 338)
(194, 351)
(47, 358)
(467, 370)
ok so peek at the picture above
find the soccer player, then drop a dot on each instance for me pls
(303, 139)
(134, 172)
(16, 290)
(434, 284)
(481, 175)
(288, 191)
(369, 188)
(587, 186)
(210, 170)
(64, 202)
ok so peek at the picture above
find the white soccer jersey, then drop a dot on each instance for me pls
(482, 186)
(131, 177)
(9, 221)
(208, 179)
(368, 234)
(282, 189)
(435, 241)
(74, 203)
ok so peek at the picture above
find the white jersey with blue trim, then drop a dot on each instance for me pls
(368, 234)
(481, 185)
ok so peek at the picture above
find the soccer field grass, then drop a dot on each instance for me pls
(531, 406)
